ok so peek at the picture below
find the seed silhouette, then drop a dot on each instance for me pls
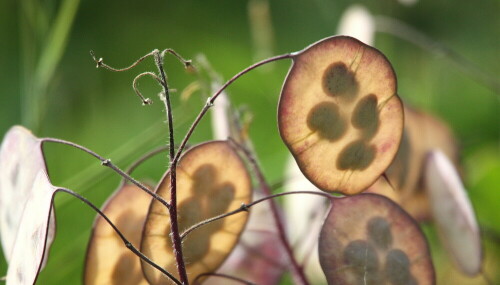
(211, 180)
(379, 232)
(326, 120)
(365, 116)
(397, 268)
(339, 81)
(356, 156)
(339, 114)
(361, 259)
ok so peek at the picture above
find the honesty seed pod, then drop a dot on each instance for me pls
(107, 260)
(422, 134)
(453, 213)
(339, 114)
(368, 239)
(211, 180)
(27, 220)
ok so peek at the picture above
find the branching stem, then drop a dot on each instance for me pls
(211, 100)
(174, 226)
(234, 278)
(246, 207)
(145, 101)
(127, 243)
(108, 163)
(298, 270)
(100, 62)
(174, 156)
(187, 63)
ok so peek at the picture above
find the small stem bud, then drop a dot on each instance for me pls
(99, 63)
(209, 103)
(244, 207)
(162, 96)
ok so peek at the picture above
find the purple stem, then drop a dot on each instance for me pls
(211, 100)
(174, 225)
(108, 163)
(297, 269)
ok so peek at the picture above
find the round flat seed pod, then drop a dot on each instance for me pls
(339, 114)
(21, 158)
(211, 180)
(422, 133)
(108, 261)
(453, 213)
(368, 239)
(27, 218)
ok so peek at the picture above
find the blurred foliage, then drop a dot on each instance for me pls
(50, 84)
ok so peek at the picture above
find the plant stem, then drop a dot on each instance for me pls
(221, 275)
(298, 271)
(246, 207)
(86, 178)
(211, 100)
(127, 243)
(174, 226)
(108, 163)
(145, 101)
(100, 63)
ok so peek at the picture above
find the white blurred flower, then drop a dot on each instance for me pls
(357, 22)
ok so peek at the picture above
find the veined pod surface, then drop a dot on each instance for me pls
(211, 180)
(340, 115)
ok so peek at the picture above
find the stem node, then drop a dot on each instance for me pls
(147, 101)
(210, 102)
(244, 207)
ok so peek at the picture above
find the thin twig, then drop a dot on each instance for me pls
(108, 163)
(127, 243)
(212, 99)
(186, 62)
(221, 275)
(174, 226)
(246, 207)
(174, 156)
(145, 101)
(100, 62)
(297, 269)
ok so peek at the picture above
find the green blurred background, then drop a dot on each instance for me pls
(50, 84)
